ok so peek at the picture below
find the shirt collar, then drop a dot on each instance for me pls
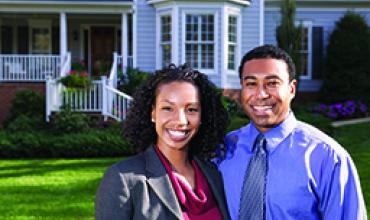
(276, 135)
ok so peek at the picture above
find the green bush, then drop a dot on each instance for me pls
(94, 143)
(27, 102)
(25, 123)
(131, 80)
(348, 67)
(67, 121)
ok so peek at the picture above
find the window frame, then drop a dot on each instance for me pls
(231, 12)
(306, 25)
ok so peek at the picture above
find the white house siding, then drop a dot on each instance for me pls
(323, 17)
(145, 36)
(250, 37)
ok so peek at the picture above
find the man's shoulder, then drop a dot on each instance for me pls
(317, 137)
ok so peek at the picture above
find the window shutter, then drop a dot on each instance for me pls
(23, 40)
(317, 52)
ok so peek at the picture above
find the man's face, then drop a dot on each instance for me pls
(266, 92)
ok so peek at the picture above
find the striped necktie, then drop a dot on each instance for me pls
(252, 200)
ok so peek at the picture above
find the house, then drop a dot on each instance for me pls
(40, 39)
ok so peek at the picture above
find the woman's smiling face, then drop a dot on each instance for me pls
(177, 115)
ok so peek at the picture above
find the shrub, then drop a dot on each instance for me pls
(25, 123)
(27, 102)
(131, 80)
(68, 121)
(94, 143)
(348, 67)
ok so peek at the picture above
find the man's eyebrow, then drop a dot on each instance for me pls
(249, 77)
(272, 77)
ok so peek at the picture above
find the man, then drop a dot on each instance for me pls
(292, 170)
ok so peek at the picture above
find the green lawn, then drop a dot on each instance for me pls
(65, 189)
(50, 189)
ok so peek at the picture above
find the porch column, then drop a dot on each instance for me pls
(124, 40)
(63, 38)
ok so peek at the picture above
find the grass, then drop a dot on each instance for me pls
(50, 189)
(65, 189)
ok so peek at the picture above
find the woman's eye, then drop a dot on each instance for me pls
(193, 110)
(166, 108)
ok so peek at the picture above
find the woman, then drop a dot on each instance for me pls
(177, 118)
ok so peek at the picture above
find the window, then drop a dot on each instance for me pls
(305, 51)
(232, 42)
(40, 36)
(165, 40)
(199, 41)
(40, 40)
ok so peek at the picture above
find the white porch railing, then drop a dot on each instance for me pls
(16, 67)
(102, 96)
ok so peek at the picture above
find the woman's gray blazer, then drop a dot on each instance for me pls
(139, 188)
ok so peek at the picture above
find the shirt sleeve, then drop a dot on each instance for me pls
(113, 199)
(340, 195)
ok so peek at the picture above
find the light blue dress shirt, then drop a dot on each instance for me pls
(310, 176)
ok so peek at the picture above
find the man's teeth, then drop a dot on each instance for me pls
(177, 133)
(261, 108)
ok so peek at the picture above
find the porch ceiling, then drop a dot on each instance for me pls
(67, 6)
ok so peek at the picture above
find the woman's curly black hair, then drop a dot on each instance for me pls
(140, 130)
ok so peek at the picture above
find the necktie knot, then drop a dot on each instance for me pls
(260, 144)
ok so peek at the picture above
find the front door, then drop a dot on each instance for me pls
(102, 47)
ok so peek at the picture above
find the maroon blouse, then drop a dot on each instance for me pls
(198, 204)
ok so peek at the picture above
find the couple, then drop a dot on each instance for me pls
(276, 167)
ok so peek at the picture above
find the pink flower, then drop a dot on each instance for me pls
(72, 72)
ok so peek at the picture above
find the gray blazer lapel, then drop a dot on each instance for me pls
(158, 179)
(216, 186)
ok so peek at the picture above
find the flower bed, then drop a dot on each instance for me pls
(343, 110)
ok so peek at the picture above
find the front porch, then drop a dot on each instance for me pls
(40, 42)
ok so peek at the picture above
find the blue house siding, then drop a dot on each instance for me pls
(145, 36)
(250, 37)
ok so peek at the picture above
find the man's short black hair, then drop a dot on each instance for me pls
(268, 51)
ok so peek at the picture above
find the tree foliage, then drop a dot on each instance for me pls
(347, 65)
(288, 35)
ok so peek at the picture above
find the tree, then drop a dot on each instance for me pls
(288, 35)
(347, 62)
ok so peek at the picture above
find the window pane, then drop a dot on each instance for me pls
(166, 55)
(231, 57)
(207, 56)
(304, 52)
(40, 40)
(191, 55)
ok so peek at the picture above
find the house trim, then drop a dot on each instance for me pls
(159, 54)
(237, 13)
(239, 2)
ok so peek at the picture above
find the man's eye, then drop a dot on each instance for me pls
(250, 84)
(273, 84)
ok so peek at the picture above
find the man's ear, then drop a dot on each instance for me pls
(293, 87)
